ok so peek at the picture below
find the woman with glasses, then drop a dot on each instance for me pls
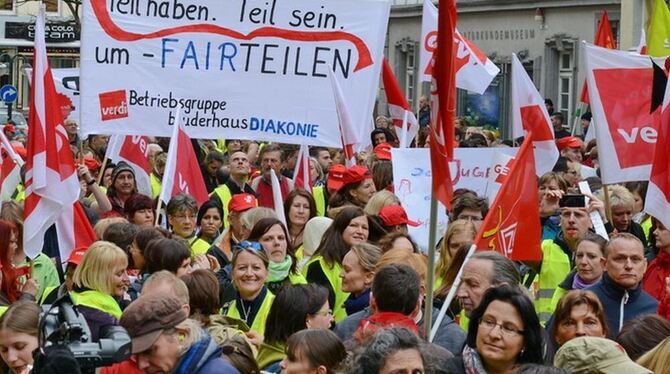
(506, 335)
(283, 267)
(182, 211)
(295, 308)
(252, 299)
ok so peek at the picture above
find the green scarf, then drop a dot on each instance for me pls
(279, 270)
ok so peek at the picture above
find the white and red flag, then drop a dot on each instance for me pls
(474, 71)
(10, 169)
(515, 211)
(51, 177)
(657, 202)
(443, 108)
(301, 174)
(74, 230)
(348, 133)
(399, 109)
(530, 115)
(133, 149)
(182, 170)
(642, 46)
(604, 38)
(620, 86)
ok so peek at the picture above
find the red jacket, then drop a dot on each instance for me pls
(654, 279)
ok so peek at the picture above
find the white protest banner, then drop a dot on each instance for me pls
(67, 86)
(474, 70)
(244, 69)
(470, 169)
(499, 167)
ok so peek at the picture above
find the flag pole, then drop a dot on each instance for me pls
(608, 207)
(101, 174)
(403, 131)
(428, 302)
(450, 295)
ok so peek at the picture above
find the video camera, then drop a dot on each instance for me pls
(61, 324)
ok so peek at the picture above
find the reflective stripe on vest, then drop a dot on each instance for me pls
(555, 267)
(320, 199)
(199, 247)
(224, 195)
(97, 300)
(258, 323)
(333, 275)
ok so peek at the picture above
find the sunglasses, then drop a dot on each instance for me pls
(246, 244)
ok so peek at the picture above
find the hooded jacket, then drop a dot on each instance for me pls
(204, 357)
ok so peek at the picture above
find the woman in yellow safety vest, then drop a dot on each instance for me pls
(99, 281)
(252, 298)
(299, 208)
(283, 267)
(209, 220)
(351, 226)
(18, 335)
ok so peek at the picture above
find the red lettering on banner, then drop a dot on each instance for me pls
(462, 51)
(135, 149)
(626, 107)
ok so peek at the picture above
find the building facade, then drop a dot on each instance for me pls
(545, 35)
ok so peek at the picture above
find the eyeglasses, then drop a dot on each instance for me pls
(507, 330)
(246, 244)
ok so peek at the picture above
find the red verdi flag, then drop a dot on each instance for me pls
(133, 149)
(182, 170)
(604, 38)
(443, 95)
(302, 172)
(51, 178)
(512, 226)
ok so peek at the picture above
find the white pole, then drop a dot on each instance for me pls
(403, 131)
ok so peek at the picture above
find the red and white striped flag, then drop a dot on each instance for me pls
(302, 174)
(74, 230)
(10, 169)
(530, 114)
(182, 170)
(399, 108)
(443, 96)
(348, 132)
(657, 203)
(51, 177)
(134, 150)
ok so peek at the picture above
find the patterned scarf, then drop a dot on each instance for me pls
(472, 362)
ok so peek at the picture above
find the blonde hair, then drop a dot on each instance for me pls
(456, 227)
(177, 285)
(368, 255)
(249, 217)
(619, 196)
(658, 359)
(401, 256)
(104, 223)
(98, 265)
(380, 200)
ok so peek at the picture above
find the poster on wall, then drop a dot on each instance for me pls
(244, 69)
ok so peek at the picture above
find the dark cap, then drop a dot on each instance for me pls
(121, 167)
(147, 317)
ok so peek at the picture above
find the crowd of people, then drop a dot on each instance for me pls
(340, 287)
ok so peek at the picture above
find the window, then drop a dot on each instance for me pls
(7, 5)
(565, 78)
(51, 5)
(410, 63)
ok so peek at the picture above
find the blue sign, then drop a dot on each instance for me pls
(8, 93)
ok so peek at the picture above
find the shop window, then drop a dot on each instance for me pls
(565, 78)
(51, 5)
(6, 5)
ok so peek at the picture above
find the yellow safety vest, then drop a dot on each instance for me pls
(19, 193)
(155, 186)
(555, 267)
(3, 309)
(46, 293)
(97, 300)
(558, 294)
(199, 246)
(296, 278)
(646, 228)
(258, 324)
(332, 272)
(224, 195)
(300, 252)
(463, 321)
(319, 197)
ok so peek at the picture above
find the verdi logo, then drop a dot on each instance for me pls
(113, 105)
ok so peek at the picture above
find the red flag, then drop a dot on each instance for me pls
(604, 38)
(397, 103)
(515, 210)
(74, 230)
(51, 178)
(657, 202)
(10, 169)
(348, 133)
(133, 149)
(182, 170)
(302, 173)
(443, 95)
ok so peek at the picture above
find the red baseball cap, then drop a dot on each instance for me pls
(241, 202)
(383, 151)
(393, 215)
(336, 177)
(355, 174)
(77, 255)
(568, 142)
